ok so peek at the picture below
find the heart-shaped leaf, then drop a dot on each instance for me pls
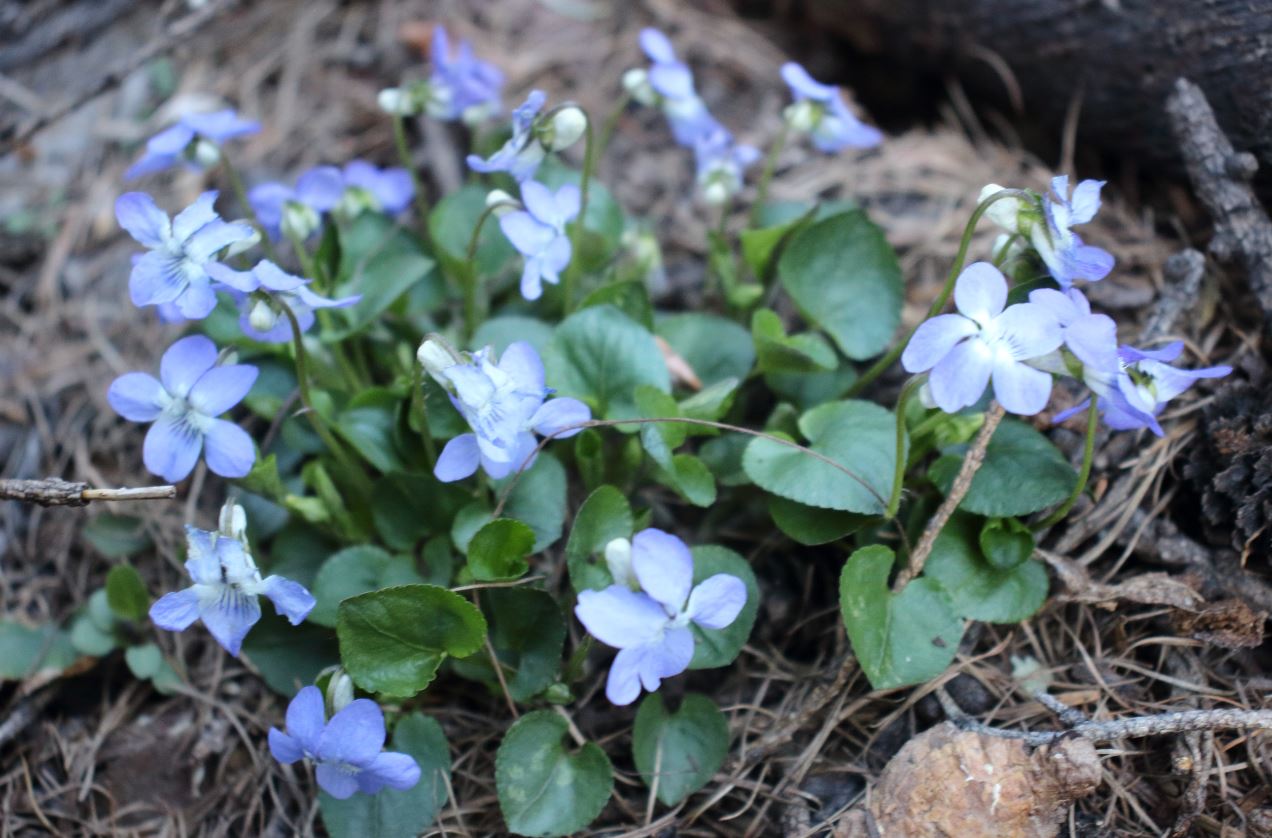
(603, 517)
(543, 789)
(498, 551)
(719, 647)
(356, 570)
(1022, 473)
(527, 632)
(775, 351)
(679, 752)
(978, 589)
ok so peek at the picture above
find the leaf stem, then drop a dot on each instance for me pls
(420, 406)
(898, 475)
(404, 154)
(570, 280)
(240, 192)
(611, 123)
(1084, 474)
(766, 174)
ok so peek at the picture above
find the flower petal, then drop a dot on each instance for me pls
(184, 362)
(532, 278)
(141, 217)
(716, 601)
(354, 735)
(171, 449)
(522, 364)
(306, 717)
(230, 617)
(230, 451)
(391, 769)
(1093, 340)
(1020, 388)
(556, 414)
(284, 748)
(622, 686)
(291, 599)
(1085, 202)
(541, 203)
(195, 217)
(202, 562)
(244, 281)
(527, 234)
(321, 187)
(176, 611)
(804, 86)
(203, 245)
(960, 378)
(656, 45)
(458, 459)
(668, 658)
(980, 291)
(568, 200)
(136, 396)
(673, 80)
(156, 278)
(220, 388)
(620, 617)
(1030, 330)
(664, 566)
(336, 782)
(521, 455)
(934, 339)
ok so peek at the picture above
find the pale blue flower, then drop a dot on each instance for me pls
(461, 85)
(1092, 338)
(521, 155)
(504, 403)
(225, 592)
(174, 270)
(192, 140)
(1064, 254)
(672, 81)
(650, 626)
(347, 750)
(390, 190)
(183, 403)
(721, 163)
(820, 111)
(983, 341)
(538, 233)
(319, 189)
(259, 318)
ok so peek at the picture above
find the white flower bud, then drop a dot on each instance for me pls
(636, 83)
(244, 245)
(475, 115)
(567, 126)
(262, 317)
(393, 100)
(802, 116)
(435, 357)
(339, 691)
(299, 220)
(716, 192)
(501, 203)
(618, 558)
(205, 153)
(233, 522)
(1004, 212)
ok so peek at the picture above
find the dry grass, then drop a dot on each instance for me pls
(101, 754)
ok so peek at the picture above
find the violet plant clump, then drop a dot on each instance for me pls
(474, 429)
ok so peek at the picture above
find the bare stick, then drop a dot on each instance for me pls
(962, 482)
(53, 491)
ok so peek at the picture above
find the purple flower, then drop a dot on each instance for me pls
(538, 233)
(174, 270)
(317, 190)
(182, 141)
(259, 318)
(650, 626)
(505, 406)
(389, 190)
(1092, 338)
(183, 405)
(983, 341)
(820, 110)
(1064, 254)
(225, 592)
(522, 154)
(461, 85)
(1136, 391)
(672, 82)
(720, 164)
(348, 749)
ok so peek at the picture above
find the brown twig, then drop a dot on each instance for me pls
(53, 491)
(962, 482)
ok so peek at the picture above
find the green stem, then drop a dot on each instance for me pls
(956, 268)
(472, 280)
(240, 192)
(898, 474)
(404, 154)
(1084, 474)
(766, 174)
(570, 280)
(1001, 255)
(611, 123)
(420, 406)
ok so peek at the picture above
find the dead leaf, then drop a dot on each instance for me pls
(678, 366)
(1146, 589)
(1228, 624)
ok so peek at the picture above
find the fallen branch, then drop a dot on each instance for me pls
(53, 491)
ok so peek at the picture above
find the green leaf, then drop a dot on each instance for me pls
(451, 225)
(629, 296)
(393, 640)
(692, 479)
(710, 403)
(501, 331)
(289, 657)
(93, 631)
(390, 813)
(379, 261)
(601, 355)
(723, 456)
(719, 647)
(407, 508)
(356, 570)
(716, 348)
(808, 389)
(275, 382)
(264, 479)
(527, 632)
(369, 424)
(811, 526)
(33, 652)
(978, 589)
(604, 215)
(900, 639)
(776, 352)
(1006, 542)
(146, 662)
(539, 500)
(126, 593)
(117, 536)
(297, 552)
(498, 551)
(1022, 473)
(844, 276)
(543, 789)
(681, 751)
(603, 517)
(760, 246)
(659, 438)
(861, 436)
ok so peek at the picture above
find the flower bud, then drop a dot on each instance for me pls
(435, 357)
(233, 521)
(339, 691)
(802, 116)
(474, 115)
(393, 100)
(618, 558)
(501, 203)
(299, 220)
(434, 99)
(565, 128)
(1004, 212)
(262, 317)
(636, 83)
(205, 153)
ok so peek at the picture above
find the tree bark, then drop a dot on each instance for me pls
(1120, 56)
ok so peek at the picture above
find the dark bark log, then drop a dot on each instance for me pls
(1120, 56)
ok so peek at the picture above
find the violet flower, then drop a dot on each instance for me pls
(316, 192)
(521, 155)
(669, 84)
(820, 111)
(461, 85)
(259, 317)
(721, 163)
(193, 139)
(1064, 254)
(1092, 338)
(538, 233)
